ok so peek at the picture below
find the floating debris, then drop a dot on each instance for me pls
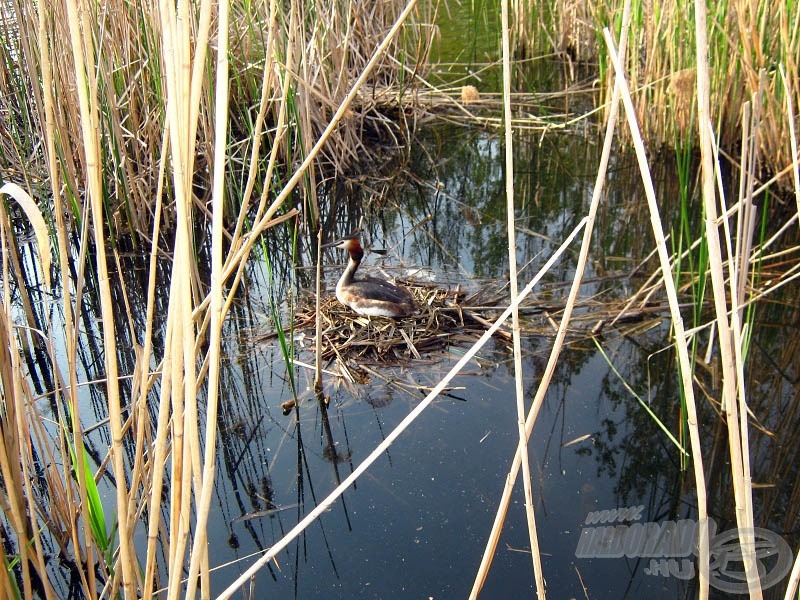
(452, 317)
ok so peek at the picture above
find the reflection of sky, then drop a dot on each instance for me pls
(460, 224)
(416, 523)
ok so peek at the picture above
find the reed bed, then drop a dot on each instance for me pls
(166, 130)
(123, 122)
(734, 242)
(748, 45)
(307, 74)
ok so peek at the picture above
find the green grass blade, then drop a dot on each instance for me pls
(644, 404)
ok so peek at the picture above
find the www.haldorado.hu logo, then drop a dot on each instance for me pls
(666, 542)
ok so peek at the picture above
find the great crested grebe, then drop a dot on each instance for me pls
(369, 296)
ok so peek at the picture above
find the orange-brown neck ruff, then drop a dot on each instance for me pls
(369, 296)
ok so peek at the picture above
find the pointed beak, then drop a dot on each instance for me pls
(340, 243)
(332, 244)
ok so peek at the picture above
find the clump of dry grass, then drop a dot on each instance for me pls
(443, 317)
(747, 43)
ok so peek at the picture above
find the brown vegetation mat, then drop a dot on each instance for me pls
(440, 320)
(449, 317)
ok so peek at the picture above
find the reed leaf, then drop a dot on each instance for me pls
(96, 511)
(640, 400)
(9, 583)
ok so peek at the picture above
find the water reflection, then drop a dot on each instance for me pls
(416, 523)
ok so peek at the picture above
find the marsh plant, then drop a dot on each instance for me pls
(177, 133)
(748, 43)
(172, 131)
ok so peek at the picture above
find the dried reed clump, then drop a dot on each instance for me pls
(278, 52)
(682, 89)
(352, 338)
(748, 42)
(573, 29)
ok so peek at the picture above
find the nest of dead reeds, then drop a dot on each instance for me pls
(441, 319)
(451, 317)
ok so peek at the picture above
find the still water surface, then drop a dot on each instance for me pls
(415, 525)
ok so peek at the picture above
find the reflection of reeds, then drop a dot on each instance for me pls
(134, 128)
(127, 141)
(732, 343)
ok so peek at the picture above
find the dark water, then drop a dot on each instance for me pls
(415, 525)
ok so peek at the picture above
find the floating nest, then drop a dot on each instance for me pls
(442, 319)
(452, 317)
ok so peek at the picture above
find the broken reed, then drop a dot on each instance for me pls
(748, 42)
(116, 132)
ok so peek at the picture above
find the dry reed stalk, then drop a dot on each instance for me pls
(70, 331)
(739, 281)
(794, 577)
(727, 330)
(677, 319)
(747, 40)
(15, 455)
(318, 318)
(184, 78)
(547, 376)
(522, 447)
(794, 580)
(379, 450)
(792, 137)
(199, 553)
(83, 56)
(144, 439)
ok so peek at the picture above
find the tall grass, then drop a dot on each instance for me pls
(148, 127)
(748, 43)
(153, 127)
